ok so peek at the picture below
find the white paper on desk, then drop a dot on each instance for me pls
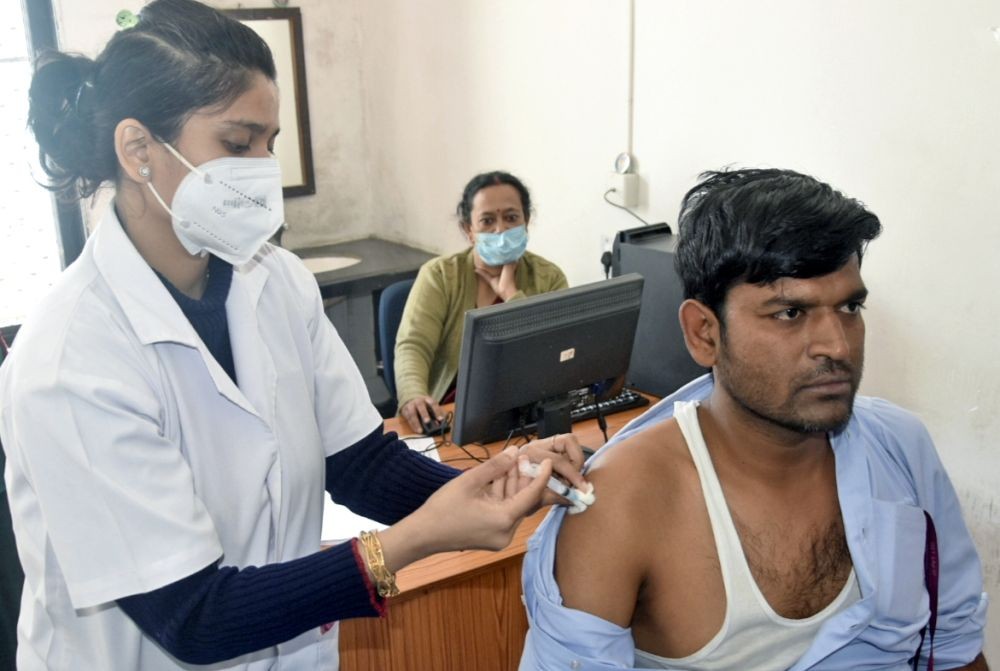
(339, 523)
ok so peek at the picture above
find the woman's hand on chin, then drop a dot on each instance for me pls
(503, 284)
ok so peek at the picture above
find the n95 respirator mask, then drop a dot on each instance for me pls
(228, 206)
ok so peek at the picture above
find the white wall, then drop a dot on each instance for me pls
(895, 102)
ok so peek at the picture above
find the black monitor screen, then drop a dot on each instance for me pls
(520, 360)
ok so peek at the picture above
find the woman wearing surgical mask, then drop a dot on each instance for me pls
(493, 215)
(173, 412)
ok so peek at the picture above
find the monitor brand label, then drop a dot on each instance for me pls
(567, 354)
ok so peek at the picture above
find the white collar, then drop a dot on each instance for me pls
(149, 307)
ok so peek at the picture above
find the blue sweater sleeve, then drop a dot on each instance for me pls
(379, 477)
(222, 612)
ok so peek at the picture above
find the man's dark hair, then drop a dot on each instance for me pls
(758, 225)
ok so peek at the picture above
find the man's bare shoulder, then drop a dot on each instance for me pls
(600, 562)
(636, 474)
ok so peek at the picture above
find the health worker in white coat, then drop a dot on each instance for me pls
(174, 410)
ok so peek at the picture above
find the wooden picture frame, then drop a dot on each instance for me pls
(281, 28)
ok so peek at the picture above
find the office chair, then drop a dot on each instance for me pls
(390, 312)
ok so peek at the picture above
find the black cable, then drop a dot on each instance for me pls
(622, 207)
(597, 390)
(520, 430)
(470, 455)
(601, 422)
(432, 447)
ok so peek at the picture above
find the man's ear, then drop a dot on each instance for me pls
(132, 140)
(702, 332)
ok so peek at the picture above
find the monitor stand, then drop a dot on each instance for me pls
(554, 416)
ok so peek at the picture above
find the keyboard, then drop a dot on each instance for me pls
(585, 408)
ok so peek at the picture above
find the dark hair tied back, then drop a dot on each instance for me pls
(180, 57)
(483, 180)
(61, 117)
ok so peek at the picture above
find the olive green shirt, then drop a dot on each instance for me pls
(430, 332)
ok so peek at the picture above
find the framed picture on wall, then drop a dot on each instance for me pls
(281, 28)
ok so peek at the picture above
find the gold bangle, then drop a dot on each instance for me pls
(385, 580)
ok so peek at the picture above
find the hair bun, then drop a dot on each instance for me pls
(56, 118)
(59, 78)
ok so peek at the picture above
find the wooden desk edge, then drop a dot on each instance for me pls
(446, 566)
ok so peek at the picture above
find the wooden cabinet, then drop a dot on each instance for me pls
(472, 618)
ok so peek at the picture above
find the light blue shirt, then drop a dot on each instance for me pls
(888, 473)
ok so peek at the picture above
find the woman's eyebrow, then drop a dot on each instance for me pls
(252, 126)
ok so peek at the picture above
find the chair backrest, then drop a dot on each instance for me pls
(390, 312)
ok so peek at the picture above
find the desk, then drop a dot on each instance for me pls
(456, 610)
(382, 263)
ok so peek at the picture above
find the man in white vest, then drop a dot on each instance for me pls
(764, 516)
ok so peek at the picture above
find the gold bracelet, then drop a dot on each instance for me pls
(385, 580)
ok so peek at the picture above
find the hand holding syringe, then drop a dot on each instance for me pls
(579, 500)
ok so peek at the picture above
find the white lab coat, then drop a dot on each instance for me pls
(134, 460)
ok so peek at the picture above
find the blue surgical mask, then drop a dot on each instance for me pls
(499, 249)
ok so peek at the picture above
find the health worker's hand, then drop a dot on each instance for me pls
(478, 510)
(566, 455)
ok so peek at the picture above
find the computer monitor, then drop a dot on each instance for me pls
(521, 360)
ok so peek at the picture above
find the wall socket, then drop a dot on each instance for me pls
(625, 188)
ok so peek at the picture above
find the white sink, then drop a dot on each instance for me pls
(323, 264)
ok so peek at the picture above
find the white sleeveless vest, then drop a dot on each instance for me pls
(752, 636)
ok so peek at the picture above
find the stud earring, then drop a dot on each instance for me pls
(144, 171)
